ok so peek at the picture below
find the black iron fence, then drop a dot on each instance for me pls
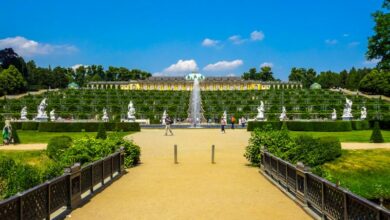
(62, 194)
(326, 199)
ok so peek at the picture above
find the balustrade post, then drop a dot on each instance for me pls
(345, 197)
(20, 206)
(301, 183)
(112, 167)
(48, 200)
(323, 200)
(102, 171)
(121, 160)
(92, 178)
(74, 174)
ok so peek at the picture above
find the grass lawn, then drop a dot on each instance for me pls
(364, 172)
(345, 136)
(36, 158)
(31, 137)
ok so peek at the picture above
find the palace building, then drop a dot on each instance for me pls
(185, 83)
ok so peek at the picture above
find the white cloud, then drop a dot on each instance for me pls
(267, 64)
(26, 47)
(236, 39)
(331, 42)
(76, 66)
(257, 35)
(231, 75)
(372, 62)
(182, 66)
(207, 42)
(223, 65)
(354, 44)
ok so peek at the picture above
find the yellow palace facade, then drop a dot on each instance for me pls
(186, 83)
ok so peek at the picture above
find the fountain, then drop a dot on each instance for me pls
(164, 116)
(196, 116)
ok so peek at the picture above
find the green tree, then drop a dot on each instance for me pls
(251, 74)
(379, 43)
(343, 78)
(8, 57)
(305, 76)
(101, 132)
(376, 82)
(12, 81)
(328, 79)
(266, 74)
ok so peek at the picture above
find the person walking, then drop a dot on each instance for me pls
(243, 122)
(168, 122)
(233, 120)
(223, 123)
(7, 133)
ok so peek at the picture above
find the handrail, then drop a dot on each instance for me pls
(64, 193)
(327, 199)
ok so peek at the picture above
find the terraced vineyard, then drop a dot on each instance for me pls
(300, 104)
(87, 104)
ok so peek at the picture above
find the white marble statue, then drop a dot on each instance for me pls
(164, 116)
(334, 114)
(52, 115)
(283, 115)
(260, 112)
(105, 115)
(363, 113)
(130, 112)
(23, 114)
(42, 115)
(347, 112)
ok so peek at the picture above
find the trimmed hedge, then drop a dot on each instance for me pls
(360, 125)
(383, 124)
(252, 125)
(307, 125)
(319, 126)
(30, 125)
(88, 127)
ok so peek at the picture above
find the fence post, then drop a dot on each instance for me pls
(301, 183)
(121, 160)
(212, 154)
(112, 167)
(20, 206)
(175, 153)
(48, 200)
(74, 174)
(102, 171)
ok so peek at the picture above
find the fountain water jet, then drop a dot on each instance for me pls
(196, 115)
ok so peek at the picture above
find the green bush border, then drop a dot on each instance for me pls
(329, 126)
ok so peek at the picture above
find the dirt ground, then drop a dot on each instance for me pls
(194, 188)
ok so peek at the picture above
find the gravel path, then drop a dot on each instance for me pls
(194, 188)
(24, 147)
(361, 146)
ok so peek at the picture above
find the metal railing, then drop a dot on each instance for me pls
(326, 199)
(64, 193)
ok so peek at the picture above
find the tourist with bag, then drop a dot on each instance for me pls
(7, 133)
(168, 122)
(233, 120)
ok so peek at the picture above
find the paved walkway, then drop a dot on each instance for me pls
(194, 188)
(24, 147)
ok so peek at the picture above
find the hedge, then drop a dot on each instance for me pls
(88, 127)
(252, 125)
(30, 125)
(383, 124)
(319, 126)
(307, 125)
(360, 125)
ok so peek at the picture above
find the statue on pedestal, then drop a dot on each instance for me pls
(347, 112)
(334, 114)
(130, 112)
(260, 112)
(164, 116)
(42, 115)
(23, 114)
(363, 113)
(52, 115)
(105, 115)
(283, 115)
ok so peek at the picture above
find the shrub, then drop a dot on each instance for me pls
(319, 126)
(101, 132)
(376, 136)
(314, 151)
(59, 127)
(57, 146)
(252, 125)
(127, 126)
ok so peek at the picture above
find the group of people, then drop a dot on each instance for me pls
(7, 133)
(241, 121)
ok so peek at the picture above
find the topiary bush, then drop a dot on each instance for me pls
(101, 132)
(376, 136)
(57, 146)
(15, 136)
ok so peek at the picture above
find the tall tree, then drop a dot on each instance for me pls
(8, 57)
(343, 78)
(11, 81)
(251, 74)
(328, 79)
(379, 43)
(266, 74)
(376, 82)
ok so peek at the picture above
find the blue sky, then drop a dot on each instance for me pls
(174, 37)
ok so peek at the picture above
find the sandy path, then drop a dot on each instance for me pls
(361, 146)
(193, 189)
(24, 147)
